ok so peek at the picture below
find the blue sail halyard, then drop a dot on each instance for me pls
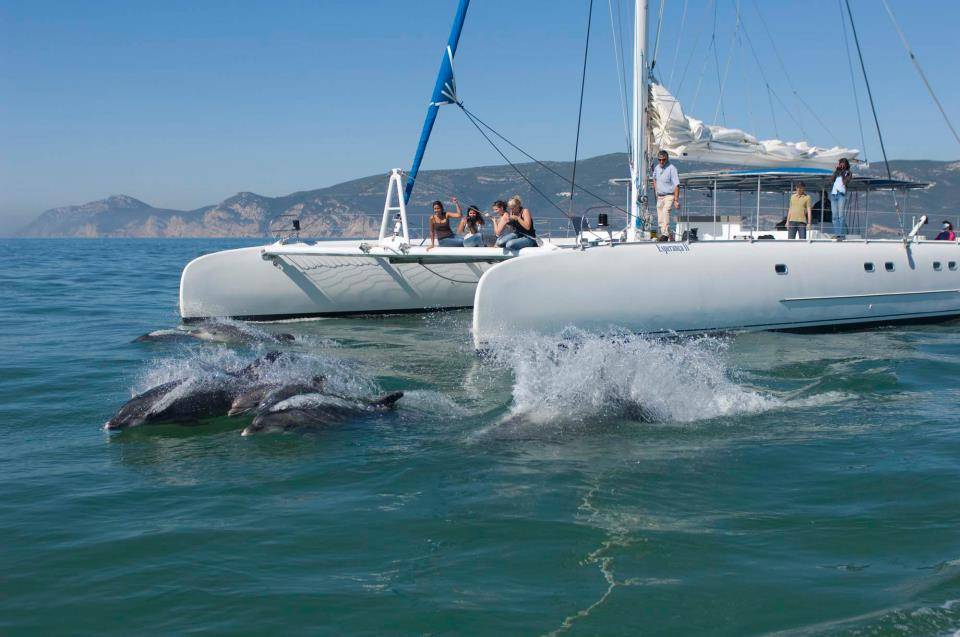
(444, 93)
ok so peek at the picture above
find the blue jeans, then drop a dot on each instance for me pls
(795, 228)
(514, 241)
(450, 242)
(476, 241)
(838, 206)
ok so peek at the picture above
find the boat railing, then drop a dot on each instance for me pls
(861, 220)
(366, 227)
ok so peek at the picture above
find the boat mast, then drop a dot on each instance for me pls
(638, 159)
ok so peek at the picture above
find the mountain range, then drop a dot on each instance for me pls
(354, 208)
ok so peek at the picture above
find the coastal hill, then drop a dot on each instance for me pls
(353, 208)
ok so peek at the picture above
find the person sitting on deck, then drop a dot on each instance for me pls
(471, 227)
(947, 234)
(440, 231)
(800, 215)
(515, 228)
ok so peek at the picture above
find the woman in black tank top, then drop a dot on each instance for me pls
(440, 231)
(516, 227)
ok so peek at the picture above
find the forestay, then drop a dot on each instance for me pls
(689, 138)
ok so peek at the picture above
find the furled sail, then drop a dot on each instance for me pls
(444, 92)
(688, 138)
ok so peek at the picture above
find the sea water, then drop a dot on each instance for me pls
(751, 484)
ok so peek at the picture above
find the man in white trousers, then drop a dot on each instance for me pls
(666, 184)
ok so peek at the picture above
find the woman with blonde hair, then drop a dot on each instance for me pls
(515, 228)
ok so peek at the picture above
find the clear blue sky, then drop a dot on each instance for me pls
(183, 103)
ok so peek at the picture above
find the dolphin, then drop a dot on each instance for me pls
(212, 331)
(261, 396)
(183, 402)
(315, 411)
(136, 409)
(189, 400)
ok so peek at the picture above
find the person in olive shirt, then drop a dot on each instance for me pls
(799, 217)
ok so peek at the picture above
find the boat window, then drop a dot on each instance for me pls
(868, 267)
(936, 266)
(952, 265)
(889, 266)
(780, 268)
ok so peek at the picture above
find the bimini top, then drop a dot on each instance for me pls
(784, 180)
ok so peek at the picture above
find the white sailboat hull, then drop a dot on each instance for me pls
(718, 286)
(283, 281)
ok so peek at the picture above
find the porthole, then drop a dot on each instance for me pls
(888, 266)
(868, 267)
(952, 265)
(937, 266)
(780, 268)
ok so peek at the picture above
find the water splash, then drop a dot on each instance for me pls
(585, 377)
(220, 365)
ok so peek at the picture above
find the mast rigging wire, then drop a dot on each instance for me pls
(512, 165)
(923, 76)
(656, 42)
(786, 73)
(676, 51)
(621, 73)
(726, 70)
(876, 120)
(473, 118)
(583, 84)
(853, 80)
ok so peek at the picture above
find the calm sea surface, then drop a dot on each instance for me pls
(798, 485)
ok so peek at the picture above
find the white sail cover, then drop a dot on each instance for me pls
(688, 138)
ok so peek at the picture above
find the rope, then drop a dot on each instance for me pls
(537, 161)
(676, 51)
(621, 73)
(435, 273)
(583, 84)
(923, 76)
(853, 80)
(656, 42)
(518, 171)
(726, 70)
(876, 120)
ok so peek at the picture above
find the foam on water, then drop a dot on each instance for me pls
(587, 377)
(216, 365)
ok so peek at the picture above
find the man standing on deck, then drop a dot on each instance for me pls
(666, 184)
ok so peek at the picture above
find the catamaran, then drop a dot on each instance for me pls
(732, 278)
(293, 278)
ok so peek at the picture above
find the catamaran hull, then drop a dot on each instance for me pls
(271, 283)
(718, 286)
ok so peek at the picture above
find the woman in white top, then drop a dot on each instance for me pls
(838, 197)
